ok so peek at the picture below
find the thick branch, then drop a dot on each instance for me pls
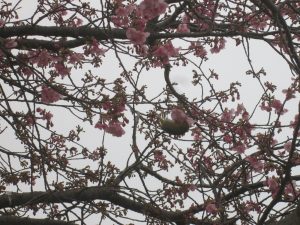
(291, 219)
(80, 35)
(54, 31)
(14, 220)
(89, 194)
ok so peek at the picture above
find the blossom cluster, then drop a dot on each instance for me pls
(48, 95)
(241, 131)
(145, 11)
(46, 116)
(134, 17)
(136, 26)
(114, 127)
(109, 122)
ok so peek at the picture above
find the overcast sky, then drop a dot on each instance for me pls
(230, 64)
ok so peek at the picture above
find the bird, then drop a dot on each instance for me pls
(174, 127)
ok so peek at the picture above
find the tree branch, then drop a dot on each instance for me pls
(89, 194)
(291, 219)
(81, 35)
(15, 220)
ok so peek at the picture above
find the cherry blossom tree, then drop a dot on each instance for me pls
(206, 159)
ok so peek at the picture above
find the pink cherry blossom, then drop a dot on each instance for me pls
(196, 133)
(287, 146)
(62, 69)
(259, 23)
(41, 58)
(30, 120)
(94, 49)
(100, 125)
(265, 107)
(206, 9)
(252, 206)
(276, 104)
(115, 107)
(75, 58)
(289, 93)
(137, 37)
(219, 44)
(211, 208)
(120, 21)
(293, 124)
(150, 9)
(115, 128)
(46, 116)
(165, 51)
(78, 22)
(142, 50)
(239, 109)
(122, 11)
(121, 17)
(273, 185)
(291, 191)
(183, 28)
(198, 49)
(256, 164)
(186, 18)
(227, 138)
(239, 148)
(27, 71)
(245, 115)
(227, 115)
(139, 24)
(161, 159)
(106, 105)
(48, 95)
(158, 155)
(192, 187)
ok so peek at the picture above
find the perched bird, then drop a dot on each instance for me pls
(179, 124)
(174, 127)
